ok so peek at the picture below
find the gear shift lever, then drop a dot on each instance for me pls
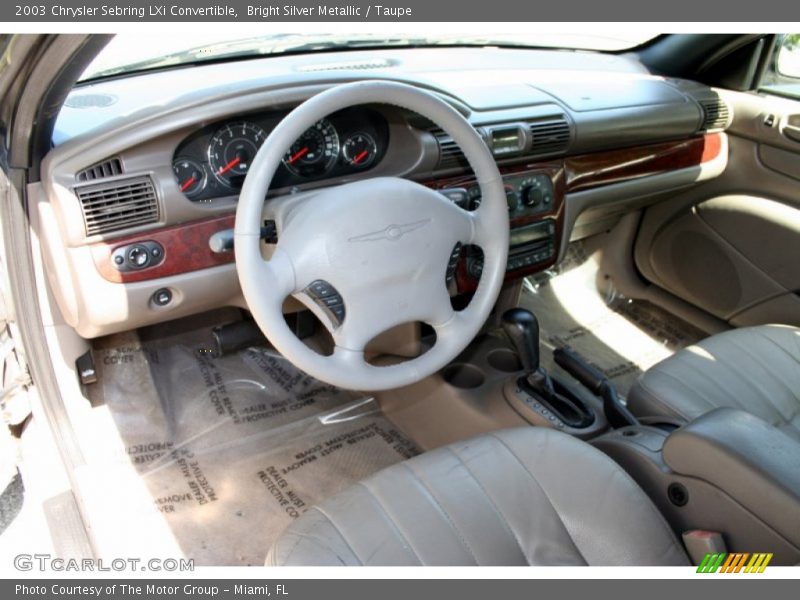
(522, 328)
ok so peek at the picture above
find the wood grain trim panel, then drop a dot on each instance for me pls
(615, 166)
(185, 250)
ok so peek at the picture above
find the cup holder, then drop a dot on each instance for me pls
(505, 360)
(463, 375)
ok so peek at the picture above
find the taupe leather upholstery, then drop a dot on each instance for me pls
(753, 462)
(755, 369)
(529, 496)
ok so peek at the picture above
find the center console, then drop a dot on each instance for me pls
(726, 471)
(727, 482)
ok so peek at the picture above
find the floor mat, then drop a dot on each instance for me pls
(620, 336)
(232, 449)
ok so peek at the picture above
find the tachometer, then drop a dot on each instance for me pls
(232, 149)
(315, 152)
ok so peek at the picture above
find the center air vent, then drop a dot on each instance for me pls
(107, 168)
(118, 204)
(715, 114)
(550, 136)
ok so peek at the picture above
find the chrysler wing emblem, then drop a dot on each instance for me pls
(391, 233)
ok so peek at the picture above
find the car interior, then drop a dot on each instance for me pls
(454, 304)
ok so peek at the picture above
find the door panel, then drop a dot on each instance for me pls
(731, 246)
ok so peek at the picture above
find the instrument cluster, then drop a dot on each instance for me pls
(213, 161)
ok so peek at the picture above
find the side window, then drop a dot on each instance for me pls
(783, 74)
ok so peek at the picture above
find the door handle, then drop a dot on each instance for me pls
(792, 132)
(791, 128)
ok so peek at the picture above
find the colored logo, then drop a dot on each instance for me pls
(737, 562)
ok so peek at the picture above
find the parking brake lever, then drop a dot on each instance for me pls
(616, 412)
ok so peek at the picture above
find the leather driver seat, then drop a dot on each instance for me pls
(528, 496)
(755, 369)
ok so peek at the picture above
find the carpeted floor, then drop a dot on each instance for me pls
(233, 448)
(622, 337)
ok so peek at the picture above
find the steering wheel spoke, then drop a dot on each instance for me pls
(465, 225)
(448, 333)
(350, 336)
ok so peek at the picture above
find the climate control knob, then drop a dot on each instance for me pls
(536, 191)
(532, 195)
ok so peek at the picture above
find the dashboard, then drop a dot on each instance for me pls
(138, 195)
(212, 162)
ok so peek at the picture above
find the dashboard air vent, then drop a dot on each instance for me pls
(715, 113)
(550, 136)
(450, 155)
(107, 168)
(118, 204)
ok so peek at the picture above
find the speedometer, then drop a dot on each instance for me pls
(232, 149)
(315, 152)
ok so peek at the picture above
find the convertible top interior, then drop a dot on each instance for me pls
(432, 305)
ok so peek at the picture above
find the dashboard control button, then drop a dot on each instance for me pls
(512, 198)
(455, 255)
(338, 312)
(332, 300)
(321, 289)
(532, 196)
(162, 297)
(328, 299)
(135, 257)
(138, 256)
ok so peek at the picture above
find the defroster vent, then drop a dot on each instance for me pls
(118, 204)
(108, 168)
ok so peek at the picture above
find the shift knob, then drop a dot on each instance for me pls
(522, 328)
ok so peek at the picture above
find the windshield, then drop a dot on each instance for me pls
(128, 53)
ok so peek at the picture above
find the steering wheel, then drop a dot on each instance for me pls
(369, 255)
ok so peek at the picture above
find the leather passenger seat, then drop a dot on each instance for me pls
(755, 369)
(528, 496)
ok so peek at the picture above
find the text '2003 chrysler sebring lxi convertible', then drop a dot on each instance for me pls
(322, 300)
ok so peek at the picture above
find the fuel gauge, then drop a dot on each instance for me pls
(190, 175)
(359, 150)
